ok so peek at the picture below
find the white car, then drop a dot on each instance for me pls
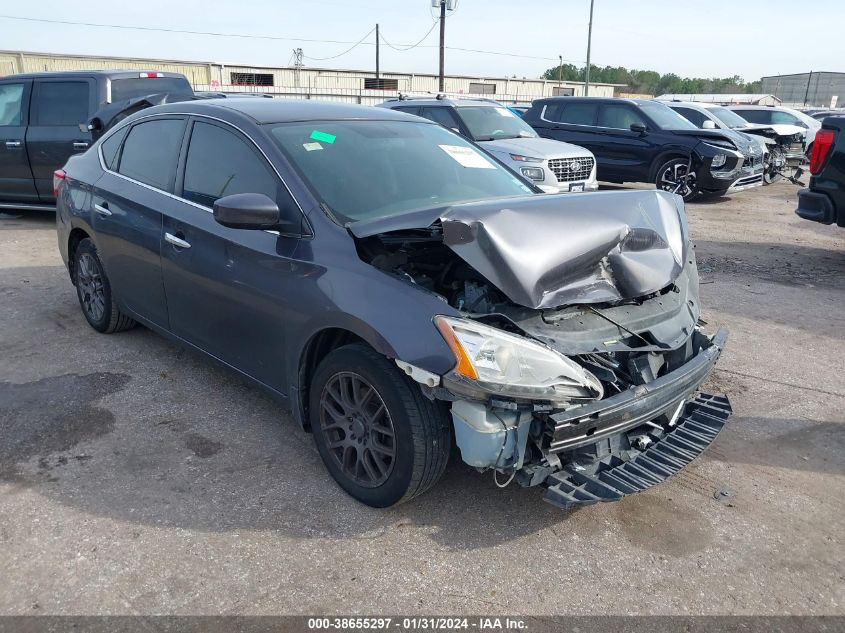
(780, 115)
(554, 166)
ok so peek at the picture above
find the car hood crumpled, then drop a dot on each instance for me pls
(548, 251)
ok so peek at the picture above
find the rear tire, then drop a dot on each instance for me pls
(380, 438)
(94, 291)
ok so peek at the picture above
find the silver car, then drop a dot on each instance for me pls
(553, 166)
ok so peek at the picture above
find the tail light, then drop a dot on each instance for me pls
(821, 148)
(150, 75)
(58, 176)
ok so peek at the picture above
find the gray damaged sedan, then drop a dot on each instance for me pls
(400, 290)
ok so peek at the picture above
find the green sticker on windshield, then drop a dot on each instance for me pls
(323, 136)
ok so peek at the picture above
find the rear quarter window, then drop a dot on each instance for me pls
(111, 147)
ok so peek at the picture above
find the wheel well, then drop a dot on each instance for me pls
(76, 236)
(320, 346)
(660, 160)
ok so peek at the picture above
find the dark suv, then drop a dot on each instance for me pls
(40, 117)
(636, 140)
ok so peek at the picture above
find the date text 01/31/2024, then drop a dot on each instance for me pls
(416, 624)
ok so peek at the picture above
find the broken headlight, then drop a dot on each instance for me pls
(500, 363)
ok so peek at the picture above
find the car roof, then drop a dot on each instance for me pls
(561, 99)
(446, 101)
(88, 73)
(695, 105)
(286, 110)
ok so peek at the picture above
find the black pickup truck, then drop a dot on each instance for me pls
(40, 117)
(824, 200)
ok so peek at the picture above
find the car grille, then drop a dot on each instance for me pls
(564, 172)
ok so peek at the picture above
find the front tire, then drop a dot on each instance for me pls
(94, 291)
(379, 437)
(672, 176)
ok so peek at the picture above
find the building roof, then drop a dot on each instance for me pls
(718, 98)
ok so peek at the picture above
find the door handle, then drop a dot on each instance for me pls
(80, 145)
(176, 241)
(102, 209)
(13, 144)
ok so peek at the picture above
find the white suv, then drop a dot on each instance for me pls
(554, 166)
(774, 115)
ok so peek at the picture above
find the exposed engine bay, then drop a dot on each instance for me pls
(606, 281)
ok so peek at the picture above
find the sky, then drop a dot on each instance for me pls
(714, 38)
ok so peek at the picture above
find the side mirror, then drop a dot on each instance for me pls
(94, 125)
(247, 211)
(639, 128)
(707, 124)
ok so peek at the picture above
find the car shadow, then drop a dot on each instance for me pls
(23, 220)
(225, 458)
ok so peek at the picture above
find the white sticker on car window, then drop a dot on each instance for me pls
(310, 147)
(505, 112)
(467, 157)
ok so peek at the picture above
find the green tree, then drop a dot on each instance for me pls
(652, 82)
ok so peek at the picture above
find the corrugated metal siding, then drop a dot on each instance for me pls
(307, 82)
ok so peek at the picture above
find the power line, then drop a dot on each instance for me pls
(361, 42)
(355, 45)
(407, 48)
(182, 31)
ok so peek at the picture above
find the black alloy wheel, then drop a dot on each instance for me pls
(357, 429)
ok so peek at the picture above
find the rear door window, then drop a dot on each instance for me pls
(693, 116)
(151, 151)
(61, 103)
(573, 113)
(756, 116)
(11, 104)
(619, 117)
(219, 163)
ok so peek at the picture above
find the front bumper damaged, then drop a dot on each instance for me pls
(694, 421)
(634, 407)
(694, 430)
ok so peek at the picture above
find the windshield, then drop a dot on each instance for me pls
(731, 119)
(665, 117)
(491, 123)
(371, 169)
(132, 87)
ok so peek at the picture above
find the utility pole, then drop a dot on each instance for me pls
(377, 65)
(589, 41)
(297, 64)
(442, 45)
(807, 91)
(559, 74)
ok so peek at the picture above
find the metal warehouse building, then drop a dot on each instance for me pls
(313, 83)
(810, 89)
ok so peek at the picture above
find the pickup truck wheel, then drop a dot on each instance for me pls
(94, 291)
(672, 176)
(380, 438)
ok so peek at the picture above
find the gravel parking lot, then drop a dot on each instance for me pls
(137, 477)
